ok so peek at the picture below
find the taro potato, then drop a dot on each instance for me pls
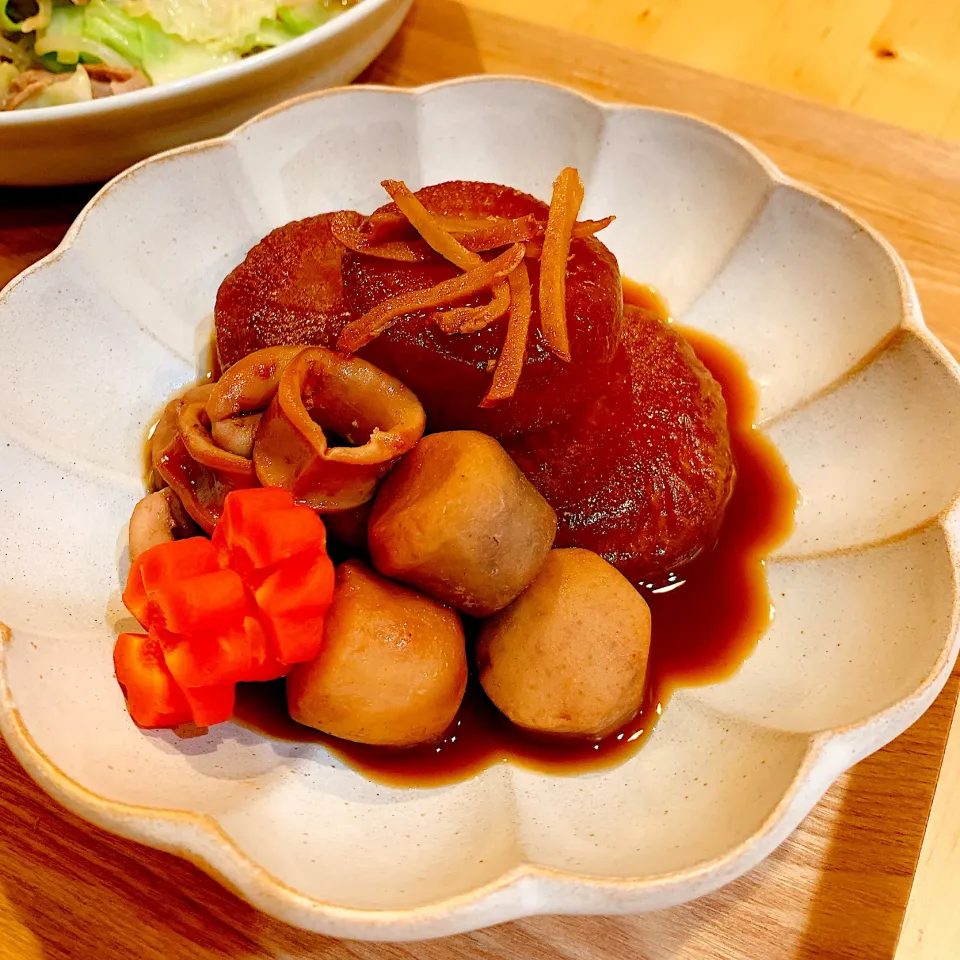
(569, 655)
(459, 521)
(393, 667)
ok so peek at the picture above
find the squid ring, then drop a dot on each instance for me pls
(335, 426)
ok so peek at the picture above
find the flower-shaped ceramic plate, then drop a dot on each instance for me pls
(861, 400)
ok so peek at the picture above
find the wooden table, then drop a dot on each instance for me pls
(840, 886)
(892, 60)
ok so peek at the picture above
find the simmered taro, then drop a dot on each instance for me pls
(458, 520)
(392, 669)
(569, 655)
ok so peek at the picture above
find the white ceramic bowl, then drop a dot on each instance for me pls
(862, 401)
(87, 142)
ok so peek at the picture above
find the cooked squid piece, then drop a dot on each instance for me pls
(236, 403)
(237, 434)
(249, 385)
(333, 429)
(158, 518)
(186, 458)
(165, 431)
(193, 425)
(199, 488)
(199, 485)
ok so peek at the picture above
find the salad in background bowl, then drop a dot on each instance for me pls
(187, 70)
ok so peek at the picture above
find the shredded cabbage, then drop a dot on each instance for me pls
(69, 50)
(166, 58)
(272, 33)
(303, 17)
(62, 35)
(8, 72)
(224, 24)
(101, 31)
(107, 24)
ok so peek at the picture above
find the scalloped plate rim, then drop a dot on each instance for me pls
(828, 753)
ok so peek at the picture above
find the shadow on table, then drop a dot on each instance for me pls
(42, 205)
(33, 221)
(863, 892)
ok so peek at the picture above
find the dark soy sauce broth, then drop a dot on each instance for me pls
(707, 619)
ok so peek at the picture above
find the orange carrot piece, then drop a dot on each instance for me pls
(506, 378)
(360, 332)
(152, 695)
(564, 207)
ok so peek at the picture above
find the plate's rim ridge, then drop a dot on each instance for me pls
(828, 753)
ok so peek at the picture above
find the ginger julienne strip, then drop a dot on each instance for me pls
(353, 239)
(447, 246)
(474, 234)
(473, 319)
(564, 207)
(458, 240)
(506, 377)
(427, 226)
(360, 332)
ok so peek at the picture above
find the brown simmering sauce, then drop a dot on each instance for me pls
(707, 618)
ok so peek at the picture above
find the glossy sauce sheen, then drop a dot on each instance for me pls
(707, 618)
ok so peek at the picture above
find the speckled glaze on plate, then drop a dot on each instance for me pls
(861, 399)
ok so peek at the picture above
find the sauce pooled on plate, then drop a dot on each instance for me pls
(707, 618)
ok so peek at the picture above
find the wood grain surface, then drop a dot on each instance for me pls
(837, 889)
(892, 60)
